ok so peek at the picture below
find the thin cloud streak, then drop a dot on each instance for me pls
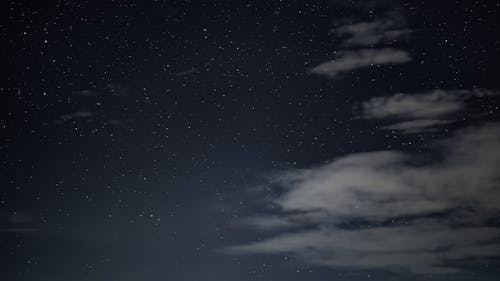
(352, 60)
(417, 126)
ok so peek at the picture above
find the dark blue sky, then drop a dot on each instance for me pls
(249, 140)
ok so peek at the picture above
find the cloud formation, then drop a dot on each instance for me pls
(76, 115)
(392, 210)
(371, 33)
(381, 33)
(422, 111)
(352, 60)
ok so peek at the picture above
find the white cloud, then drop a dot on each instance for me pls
(420, 111)
(352, 60)
(425, 105)
(415, 217)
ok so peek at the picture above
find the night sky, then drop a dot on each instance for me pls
(250, 140)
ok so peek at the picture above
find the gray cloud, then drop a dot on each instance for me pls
(81, 114)
(17, 223)
(385, 29)
(414, 248)
(88, 116)
(76, 115)
(370, 33)
(425, 105)
(415, 217)
(18, 230)
(268, 223)
(87, 93)
(192, 70)
(352, 60)
(417, 126)
(111, 89)
(420, 111)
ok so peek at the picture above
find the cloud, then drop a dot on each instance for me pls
(18, 230)
(393, 210)
(75, 115)
(81, 114)
(351, 60)
(190, 71)
(17, 223)
(414, 248)
(419, 111)
(424, 105)
(384, 29)
(370, 33)
(111, 89)
(267, 223)
(417, 126)
(87, 93)
(387, 25)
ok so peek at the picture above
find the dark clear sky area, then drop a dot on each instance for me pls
(249, 140)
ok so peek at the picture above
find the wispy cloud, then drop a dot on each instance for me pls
(17, 223)
(417, 126)
(76, 115)
(419, 111)
(350, 60)
(380, 33)
(372, 32)
(18, 230)
(111, 89)
(192, 70)
(87, 93)
(384, 210)
(268, 223)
